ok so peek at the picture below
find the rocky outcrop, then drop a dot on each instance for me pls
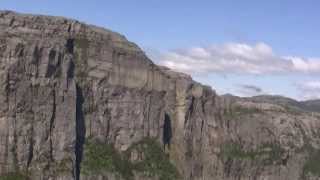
(75, 96)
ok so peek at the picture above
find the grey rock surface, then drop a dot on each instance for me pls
(64, 82)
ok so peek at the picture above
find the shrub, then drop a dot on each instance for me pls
(14, 176)
(312, 164)
(268, 152)
(100, 158)
(155, 161)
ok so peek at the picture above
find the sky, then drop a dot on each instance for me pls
(245, 47)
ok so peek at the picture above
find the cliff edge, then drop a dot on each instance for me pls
(82, 102)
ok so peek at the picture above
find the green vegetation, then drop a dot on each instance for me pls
(269, 153)
(14, 176)
(312, 165)
(292, 110)
(238, 110)
(246, 110)
(63, 166)
(100, 158)
(235, 151)
(155, 162)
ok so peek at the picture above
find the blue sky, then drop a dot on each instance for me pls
(246, 47)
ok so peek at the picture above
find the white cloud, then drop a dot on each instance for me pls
(306, 65)
(309, 89)
(236, 58)
(312, 85)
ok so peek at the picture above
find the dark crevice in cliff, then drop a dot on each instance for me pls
(70, 46)
(167, 131)
(14, 146)
(107, 115)
(71, 68)
(14, 150)
(70, 52)
(32, 131)
(51, 64)
(190, 111)
(69, 28)
(31, 144)
(11, 22)
(52, 119)
(202, 124)
(80, 131)
(36, 59)
(148, 115)
(7, 90)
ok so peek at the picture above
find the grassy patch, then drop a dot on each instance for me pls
(292, 110)
(100, 158)
(155, 161)
(235, 151)
(246, 110)
(269, 153)
(14, 176)
(63, 166)
(312, 164)
(238, 110)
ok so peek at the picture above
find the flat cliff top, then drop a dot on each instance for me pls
(43, 25)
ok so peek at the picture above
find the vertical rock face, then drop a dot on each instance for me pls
(76, 96)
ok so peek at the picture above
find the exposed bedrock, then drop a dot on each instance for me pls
(82, 102)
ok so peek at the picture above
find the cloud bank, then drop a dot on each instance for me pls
(237, 58)
(309, 89)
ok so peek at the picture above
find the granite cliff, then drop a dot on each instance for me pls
(82, 102)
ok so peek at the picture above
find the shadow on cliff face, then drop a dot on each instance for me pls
(70, 46)
(70, 50)
(80, 131)
(167, 131)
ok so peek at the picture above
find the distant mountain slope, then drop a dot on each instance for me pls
(310, 105)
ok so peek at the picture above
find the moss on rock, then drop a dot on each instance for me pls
(104, 158)
(14, 176)
(269, 153)
(312, 164)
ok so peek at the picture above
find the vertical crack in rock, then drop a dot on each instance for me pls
(69, 28)
(190, 111)
(202, 124)
(15, 138)
(31, 130)
(148, 116)
(51, 64)
(70, 52)
(52, 119)
(7, 89)
(167, 131)
(70, 46)
(80, 125)
(107, 114)
(80, 130)
(36, 59)
(31, 144)
(11, 22)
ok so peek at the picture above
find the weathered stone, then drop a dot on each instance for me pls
(63, 82)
